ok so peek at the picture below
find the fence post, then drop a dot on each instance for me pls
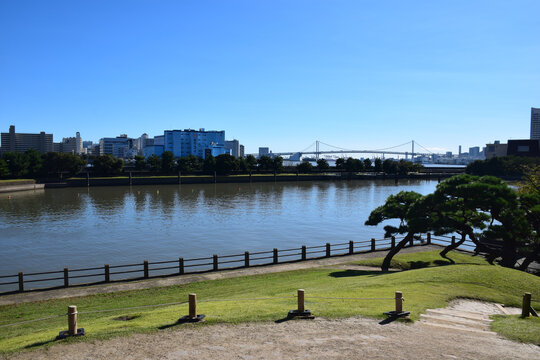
(453, 240)
(526, 307)
(393, 243)
(107, 273)
(246, 259)
(399, 302)
(351, 247)
(215, 261)
(181, 265)
(66, 277)
(72, 320)
(275, 256)
(304, 252)
(249, 175)
(146, 269)
(215, 177)
(428, 238)
(179, 177)
(21, 281)
(301, 307)
(327, 249)
(372, 244)
(192, 306)
(130, 178)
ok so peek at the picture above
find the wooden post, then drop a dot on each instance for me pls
(192, 306)
(146, 269)
(179, 177)
(351, 247)
(215, 261)
(297, 175)
(246, 259)
(526, 307)
(275, 256)
(399, 302)
(275, 175)
(249, 175)
(327, 249)
(372, 244)
(66, 277)
(107, 273)
(87, 178)
(181, 265)
(304, 252)
(21, 281)
(453, 240)
(428, 238)
(393, 243)
(130, 178)
(301, 307)
(72, 320)
(215, 177)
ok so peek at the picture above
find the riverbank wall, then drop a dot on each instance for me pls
(254, 178)
(21, 185)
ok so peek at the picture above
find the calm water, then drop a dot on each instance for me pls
(79, 227)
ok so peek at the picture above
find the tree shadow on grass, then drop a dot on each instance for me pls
(350, 272)
(40, 343)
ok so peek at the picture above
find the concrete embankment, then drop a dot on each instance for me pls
(208, 179)
(22, 185)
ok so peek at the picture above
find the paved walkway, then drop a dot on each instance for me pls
(190, 278)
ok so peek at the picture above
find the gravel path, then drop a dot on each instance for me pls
(353, 338)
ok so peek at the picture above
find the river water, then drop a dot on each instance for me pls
(79, 227)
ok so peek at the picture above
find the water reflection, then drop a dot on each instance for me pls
(79, 227)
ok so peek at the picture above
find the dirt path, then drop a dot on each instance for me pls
(186, 279)
(353, 338)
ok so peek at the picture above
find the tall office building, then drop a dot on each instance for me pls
(188, 142)
(18, 142)
(535, 123)
(233, 146)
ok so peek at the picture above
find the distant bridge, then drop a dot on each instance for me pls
(296, 155)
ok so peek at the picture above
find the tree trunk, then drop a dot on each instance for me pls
(451, 247)
(400, 245)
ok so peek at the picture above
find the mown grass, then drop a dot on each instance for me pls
(7, 181)
(516, 328)
(424, 259)
(423, 288)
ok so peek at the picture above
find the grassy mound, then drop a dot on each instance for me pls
(425, 288)
(516, 328)
(424, 259)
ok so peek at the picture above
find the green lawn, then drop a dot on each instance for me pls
(15, 180)
(430, 287)
(517, 328)
(423, 260)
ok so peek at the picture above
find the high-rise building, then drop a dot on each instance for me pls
(78, 143)
(264, 151)
(233, 146)
(189, 142)
(242, 151)
(535, 123)
(19, 142)
(119, 146)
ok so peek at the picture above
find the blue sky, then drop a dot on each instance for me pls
(356, 74)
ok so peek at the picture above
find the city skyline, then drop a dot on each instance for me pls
(352, 74)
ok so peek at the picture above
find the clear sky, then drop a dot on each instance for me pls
(356, 74)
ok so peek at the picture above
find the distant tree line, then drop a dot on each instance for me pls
(33, 164)
(505, 166)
